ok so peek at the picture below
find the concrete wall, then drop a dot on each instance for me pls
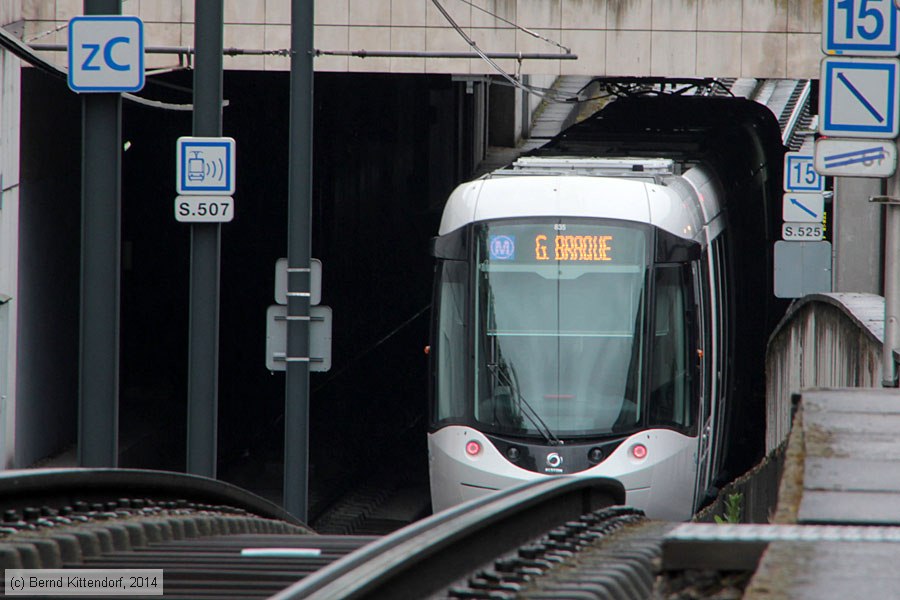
(825, 341)
(729, 38)
(9, 223)
(857, 239)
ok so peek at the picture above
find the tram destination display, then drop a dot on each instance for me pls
(565, 243)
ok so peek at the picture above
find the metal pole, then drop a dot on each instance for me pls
(891, 283)
(296, 405)
(203, 345)
(98, 360)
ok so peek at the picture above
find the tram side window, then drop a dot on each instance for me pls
(451, 346)
(670, 399)
(724, 301)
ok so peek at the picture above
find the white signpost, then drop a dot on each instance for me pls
(315, 281)
(856, 157)
(106, 54)
(806, 208)
(320, 318)
(800, 173)
(802, 232)
(859, 97)
(803, 210)
(205, 166)
(860, 28)
(204, 179)
(802, 268)
(204, 209)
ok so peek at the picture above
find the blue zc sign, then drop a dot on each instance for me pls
(106, 54)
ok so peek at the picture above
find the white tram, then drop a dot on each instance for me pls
(579, 323)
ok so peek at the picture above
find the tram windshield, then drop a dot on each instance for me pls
(559, 311)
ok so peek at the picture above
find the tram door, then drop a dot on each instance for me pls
(703, 357)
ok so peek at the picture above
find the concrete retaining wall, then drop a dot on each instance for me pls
(824, 341)
(663, 38)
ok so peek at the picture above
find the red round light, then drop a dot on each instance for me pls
(473, 448)
(639, 451)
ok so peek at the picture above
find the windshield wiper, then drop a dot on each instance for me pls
(531, 414)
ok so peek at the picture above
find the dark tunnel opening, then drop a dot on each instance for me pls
(388, 149)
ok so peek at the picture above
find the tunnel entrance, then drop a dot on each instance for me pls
(388, 149)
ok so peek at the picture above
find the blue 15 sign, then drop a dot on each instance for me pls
(860, 28)
(800, 173)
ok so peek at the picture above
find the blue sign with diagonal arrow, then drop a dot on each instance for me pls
(804, 208)
(859, 97)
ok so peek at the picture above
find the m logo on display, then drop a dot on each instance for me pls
(503, 247)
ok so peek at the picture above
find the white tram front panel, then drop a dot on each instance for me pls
(661, 483)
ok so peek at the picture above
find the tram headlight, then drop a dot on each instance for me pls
(639, 451)
(473, 448)
(595, 455)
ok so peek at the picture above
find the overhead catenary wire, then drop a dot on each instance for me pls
(352, 361)
(188, 51)
(653, 86)
(440, 54)
(490, 58)
(545, 93)
(44, 34)
(517, 26)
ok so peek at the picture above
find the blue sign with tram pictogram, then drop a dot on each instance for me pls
(205, 166)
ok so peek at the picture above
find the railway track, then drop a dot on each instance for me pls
(431, 556)
(213, 540)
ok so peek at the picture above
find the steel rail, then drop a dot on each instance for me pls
(61, 487)
(431, 554)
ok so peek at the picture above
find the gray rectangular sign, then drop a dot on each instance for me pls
(319, 338)
(315, 281)
(802, 268)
